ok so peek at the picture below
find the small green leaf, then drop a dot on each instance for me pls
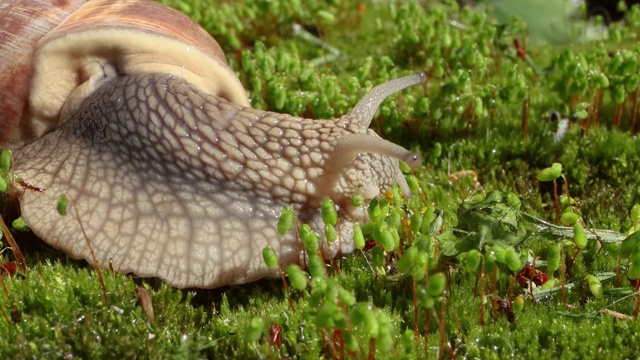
(513, 200)
(61, 206)
(634, 271)
(630, 244)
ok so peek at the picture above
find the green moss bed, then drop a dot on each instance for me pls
(530, 173)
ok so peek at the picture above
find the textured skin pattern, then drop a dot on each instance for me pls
(174, 183)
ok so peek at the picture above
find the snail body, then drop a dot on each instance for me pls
(171, 173)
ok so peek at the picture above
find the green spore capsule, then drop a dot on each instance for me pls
(579, 236)
(382, 235)
(316, 266)
(518, 304)
(595, 286)
(600, 81)
(4, 184)
(61, 206)
(424, 300)
(378, 209)
(549, 174)
(414, 184)
(329, 214)
(565, 200)
(420, 266)
(326, 314)
(253, 332)
(358, 237)
(437, 283)
(357, 200)
(407, 260)
(5, 161)
(364, 315)
(569, 217)
(512, 260)
(554, 256)
(350, 341)
(19, 224)
(395, 218)
(499, 253)
(270, 257)
(386, 334)
(490, 262)
(346, 297)
(309, 238)
(415, 222)
(297, 277)
(285, 222)
(330, 233)
(619, 94)
(422, 105)
(472, 261)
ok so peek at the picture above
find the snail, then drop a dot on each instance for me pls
(130, 109)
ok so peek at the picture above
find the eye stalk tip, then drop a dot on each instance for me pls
(414, 160)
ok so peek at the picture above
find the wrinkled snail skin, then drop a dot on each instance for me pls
(168, 180)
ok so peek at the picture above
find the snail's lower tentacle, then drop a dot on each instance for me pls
(347, 148)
